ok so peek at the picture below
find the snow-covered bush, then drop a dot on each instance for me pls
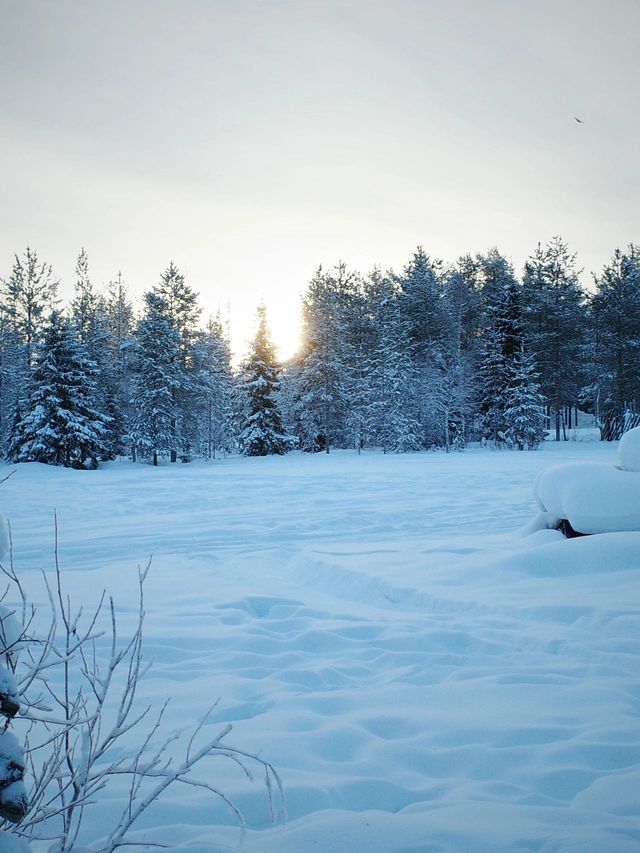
(86, 737)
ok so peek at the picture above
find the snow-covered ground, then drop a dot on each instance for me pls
(423, 677)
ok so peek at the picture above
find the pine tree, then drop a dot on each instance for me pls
(215, 387)
(455, 382)
(117, 372)
(393, 412)
(422, 305)
(182, 308)
(421, 301)
(555, 324)
(28, 294)
(12, 377)
(524, 406)
(501, 341)
(615, 358)
(88, 313)
(157, 378)
(86, 306)
(358, 341)
(322, 400)
(262, 433)
(61, 424)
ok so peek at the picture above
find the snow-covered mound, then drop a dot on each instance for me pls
(593, 496)
(629, 450)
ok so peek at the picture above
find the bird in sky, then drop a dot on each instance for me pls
(579, 120)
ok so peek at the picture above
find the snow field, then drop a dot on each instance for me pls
(424, 677)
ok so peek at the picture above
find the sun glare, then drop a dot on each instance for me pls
(285, 331)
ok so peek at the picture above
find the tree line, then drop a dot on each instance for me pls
(432, 357)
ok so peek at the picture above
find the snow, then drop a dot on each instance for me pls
(5, 540)
(629, 450)
(8, 685)
(10, 753)
(595, 497)
(423, 675)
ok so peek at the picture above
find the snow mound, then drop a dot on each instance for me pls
(593, 496)
(629, 450)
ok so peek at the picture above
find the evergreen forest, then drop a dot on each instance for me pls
(435, 356)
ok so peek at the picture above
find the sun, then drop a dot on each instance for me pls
(284, 322)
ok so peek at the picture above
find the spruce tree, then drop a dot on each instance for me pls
(358, 341)
(555, 324)
(262, 433)
(524, 406)
(421, 301)
(12, 377)
(86, 306)
(182, 309)
(393, 411)
(214, 383)
(615, 354)
(322, 399)
(28, 295)
(455, 382)
(117, 369)
(501, 341)
(152, 431)
(181, 306)
(88, 313)
(61, 423)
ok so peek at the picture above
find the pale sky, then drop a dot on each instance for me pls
(251, 140)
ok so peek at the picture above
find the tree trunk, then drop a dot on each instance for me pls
(446, 430)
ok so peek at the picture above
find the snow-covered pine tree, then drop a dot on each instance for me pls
(555, 324)
(322, 375)
(358, 342)
(615, 310)
(88, 311)
(61, 423)
(214, 382)
(28, 295)
(262, 433)
(421, 302)
(117, 377)
(182, 308)
(12, 377)
(451, 395)
(423, 310)
(392, 407)
(454, 387)
(524, 405)
(501, 341)
(86, 307)
(152, 432)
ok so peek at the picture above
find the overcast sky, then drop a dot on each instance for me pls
(252, 141)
